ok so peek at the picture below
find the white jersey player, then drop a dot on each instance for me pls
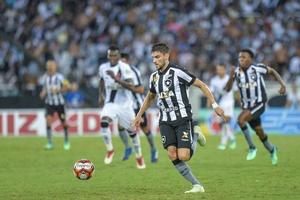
(117, 103)
(226, 102)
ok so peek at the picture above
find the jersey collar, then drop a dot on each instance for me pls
(165, 70)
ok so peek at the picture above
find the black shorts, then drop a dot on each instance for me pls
(60, 110)
(144, 116)
(256, 112)
(180, 136)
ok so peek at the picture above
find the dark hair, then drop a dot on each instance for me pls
(114, 48)
(125, 55)
(161, 47)
(249, 51)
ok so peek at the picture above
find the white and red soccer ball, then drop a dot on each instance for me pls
(83, 169)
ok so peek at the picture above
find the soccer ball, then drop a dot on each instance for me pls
(83, 169)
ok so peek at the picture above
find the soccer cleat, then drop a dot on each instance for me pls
(222, 147)
(48, 146)
(154, 155)
(140, 164)
(127, 153)
(274, 157)
(196, 188)
(201, 138)
(109, 157)
(251, 154)
(67, 146)
(232, 144)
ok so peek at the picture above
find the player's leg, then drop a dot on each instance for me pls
(243, 118)
(230, 134)
(125, 139)
(198, 136)
(150, 138)
(49, 119)
(62, 116)
(185, 141)
(224, 138)
(108, 113)
(125, 117)
(256, 126)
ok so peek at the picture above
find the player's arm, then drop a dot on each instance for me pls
(148, 101)
(206, 91)
(43, 93)
(230, 81)
(101, 92)
(278, 78)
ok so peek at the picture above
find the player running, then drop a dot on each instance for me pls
(138, 98)
(117, 103)
(170, 83)
(226, 101)
(250, 81)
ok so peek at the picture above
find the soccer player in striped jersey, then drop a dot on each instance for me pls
(170, 84)
(138, 98)
(226, 101)
(115, 76)
(54, 85)
(250, 81)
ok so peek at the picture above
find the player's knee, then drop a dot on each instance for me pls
(172, 154)
(104, 123)
(184, 155)
(241, 122)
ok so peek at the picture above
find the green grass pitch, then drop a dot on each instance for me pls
(29, 172)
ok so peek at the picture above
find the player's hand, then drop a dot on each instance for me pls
(219, 111)
(137, 121)
(282, 89)
(111, 74)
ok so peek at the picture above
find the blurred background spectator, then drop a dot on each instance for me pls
(200, 34)
(74, 97)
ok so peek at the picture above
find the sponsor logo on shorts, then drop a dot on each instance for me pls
(185, 136)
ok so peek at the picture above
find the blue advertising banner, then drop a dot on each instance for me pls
(274, 120)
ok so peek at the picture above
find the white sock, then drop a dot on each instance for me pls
(137, 145)
(224, 136)
(229, 131)
(106, 133)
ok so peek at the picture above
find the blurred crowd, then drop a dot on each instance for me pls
(200, 33)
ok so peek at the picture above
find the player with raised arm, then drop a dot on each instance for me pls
(54, 85)
(250, 81)
(170, 84)
(117, 103)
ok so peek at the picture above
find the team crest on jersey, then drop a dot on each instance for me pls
(253, 76)
(168, 83)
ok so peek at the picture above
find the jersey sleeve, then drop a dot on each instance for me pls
(261, 68)
(186, 76)
(152, 83)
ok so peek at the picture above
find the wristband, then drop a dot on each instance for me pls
(214, 105)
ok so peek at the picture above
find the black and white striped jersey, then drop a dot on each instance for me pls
(251, 85)
(171, 86)
(50, 83)
(137, 98)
